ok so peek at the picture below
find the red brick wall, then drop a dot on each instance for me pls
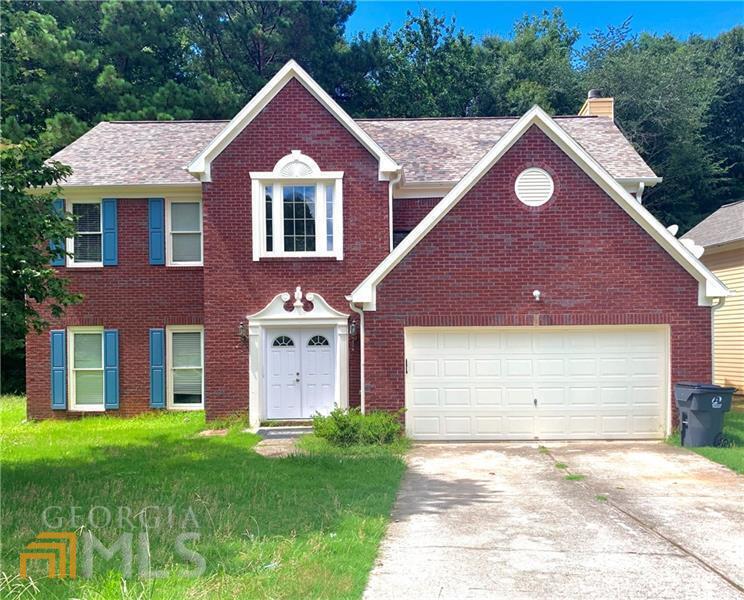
(235, 286)
(480, 264)
(408, 212)
(131, 297)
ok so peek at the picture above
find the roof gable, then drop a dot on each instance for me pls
(200, 166)
(710, 286)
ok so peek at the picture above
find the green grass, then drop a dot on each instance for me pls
(575, 477)
(296, 527)
(733, 429)
(560, 465)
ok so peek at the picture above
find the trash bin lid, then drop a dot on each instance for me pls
(706, 387)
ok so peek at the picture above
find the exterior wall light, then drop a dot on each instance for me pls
(536, 295)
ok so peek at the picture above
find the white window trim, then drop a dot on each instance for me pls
(277, 179)
(71, 331)
(169, 331)
(70, 242)
(169, 262)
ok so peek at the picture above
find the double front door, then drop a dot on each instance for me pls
(300, 373)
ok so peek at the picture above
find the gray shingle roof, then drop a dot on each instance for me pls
(724, 225)
(445, 149)
(430, 150)
(137, 152)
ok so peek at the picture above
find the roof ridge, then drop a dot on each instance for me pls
(151, 121)
(478, 118)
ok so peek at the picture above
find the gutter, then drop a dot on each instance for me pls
(360, 312)
(393, 182)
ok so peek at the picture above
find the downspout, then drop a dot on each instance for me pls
(360, 312)
(393, 182)
(714, 308)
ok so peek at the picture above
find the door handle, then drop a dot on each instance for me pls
(534, 401)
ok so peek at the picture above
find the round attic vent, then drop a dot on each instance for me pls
(534, 187)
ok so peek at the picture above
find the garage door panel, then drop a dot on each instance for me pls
(455, 368)
(488, 396)
(589, 383)
(485, 367)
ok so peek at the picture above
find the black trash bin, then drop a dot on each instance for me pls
(701, 407)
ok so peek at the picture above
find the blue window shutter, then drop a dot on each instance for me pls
(156, 211)
(110, 234)
(59, 206)
(157, 368)
(111, 368)
(58, 359)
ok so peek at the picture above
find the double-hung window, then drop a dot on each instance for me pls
(185, 367)
(86, 368)
(87, 245)
(184, 224)
(297, 210)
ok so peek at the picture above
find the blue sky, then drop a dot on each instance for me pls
(485, 18)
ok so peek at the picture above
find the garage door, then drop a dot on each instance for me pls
(530, 383)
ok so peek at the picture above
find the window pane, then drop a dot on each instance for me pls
(299, 218)
(187, 349)
(187, 247)
(87, 351)
(269, 218)
(185, 216)
(88, 217)
(329, 217)
(187, 386)
(87, 248)
(88, 387)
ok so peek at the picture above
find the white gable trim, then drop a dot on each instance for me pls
(710, 286)
(200, 167)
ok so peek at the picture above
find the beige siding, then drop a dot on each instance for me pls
(729, 320)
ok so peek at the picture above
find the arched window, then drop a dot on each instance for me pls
(297, 209)
(318, 340)
(283, 341)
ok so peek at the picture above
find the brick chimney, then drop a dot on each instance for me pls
(598, 106)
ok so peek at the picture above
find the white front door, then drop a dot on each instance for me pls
(300, 369)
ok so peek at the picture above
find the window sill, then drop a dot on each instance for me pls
(87, 409)
(85, 266)
(185, 266)
(186, 408)
(302, 258)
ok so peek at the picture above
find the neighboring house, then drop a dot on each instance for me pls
(722, 236)
(497, 277)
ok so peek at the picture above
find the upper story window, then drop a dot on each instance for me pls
(297, 210)
(184, 233)
(87, 245)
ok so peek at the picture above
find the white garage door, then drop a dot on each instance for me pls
(536, 383)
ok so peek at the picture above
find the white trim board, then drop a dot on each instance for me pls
(200, 167)
(709, 285)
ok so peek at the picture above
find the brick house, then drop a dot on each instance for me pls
(497, 277)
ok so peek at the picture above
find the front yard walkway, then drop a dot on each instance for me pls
(573, 520)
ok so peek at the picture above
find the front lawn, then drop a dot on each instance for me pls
(297, 527)
(733, 429)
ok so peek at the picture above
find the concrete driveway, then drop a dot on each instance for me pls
(501, 521)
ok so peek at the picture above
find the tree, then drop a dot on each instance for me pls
(663, 90)
(28, 282)
(535, 66)
(426, 68)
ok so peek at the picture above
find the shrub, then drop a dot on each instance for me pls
(351, 427)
